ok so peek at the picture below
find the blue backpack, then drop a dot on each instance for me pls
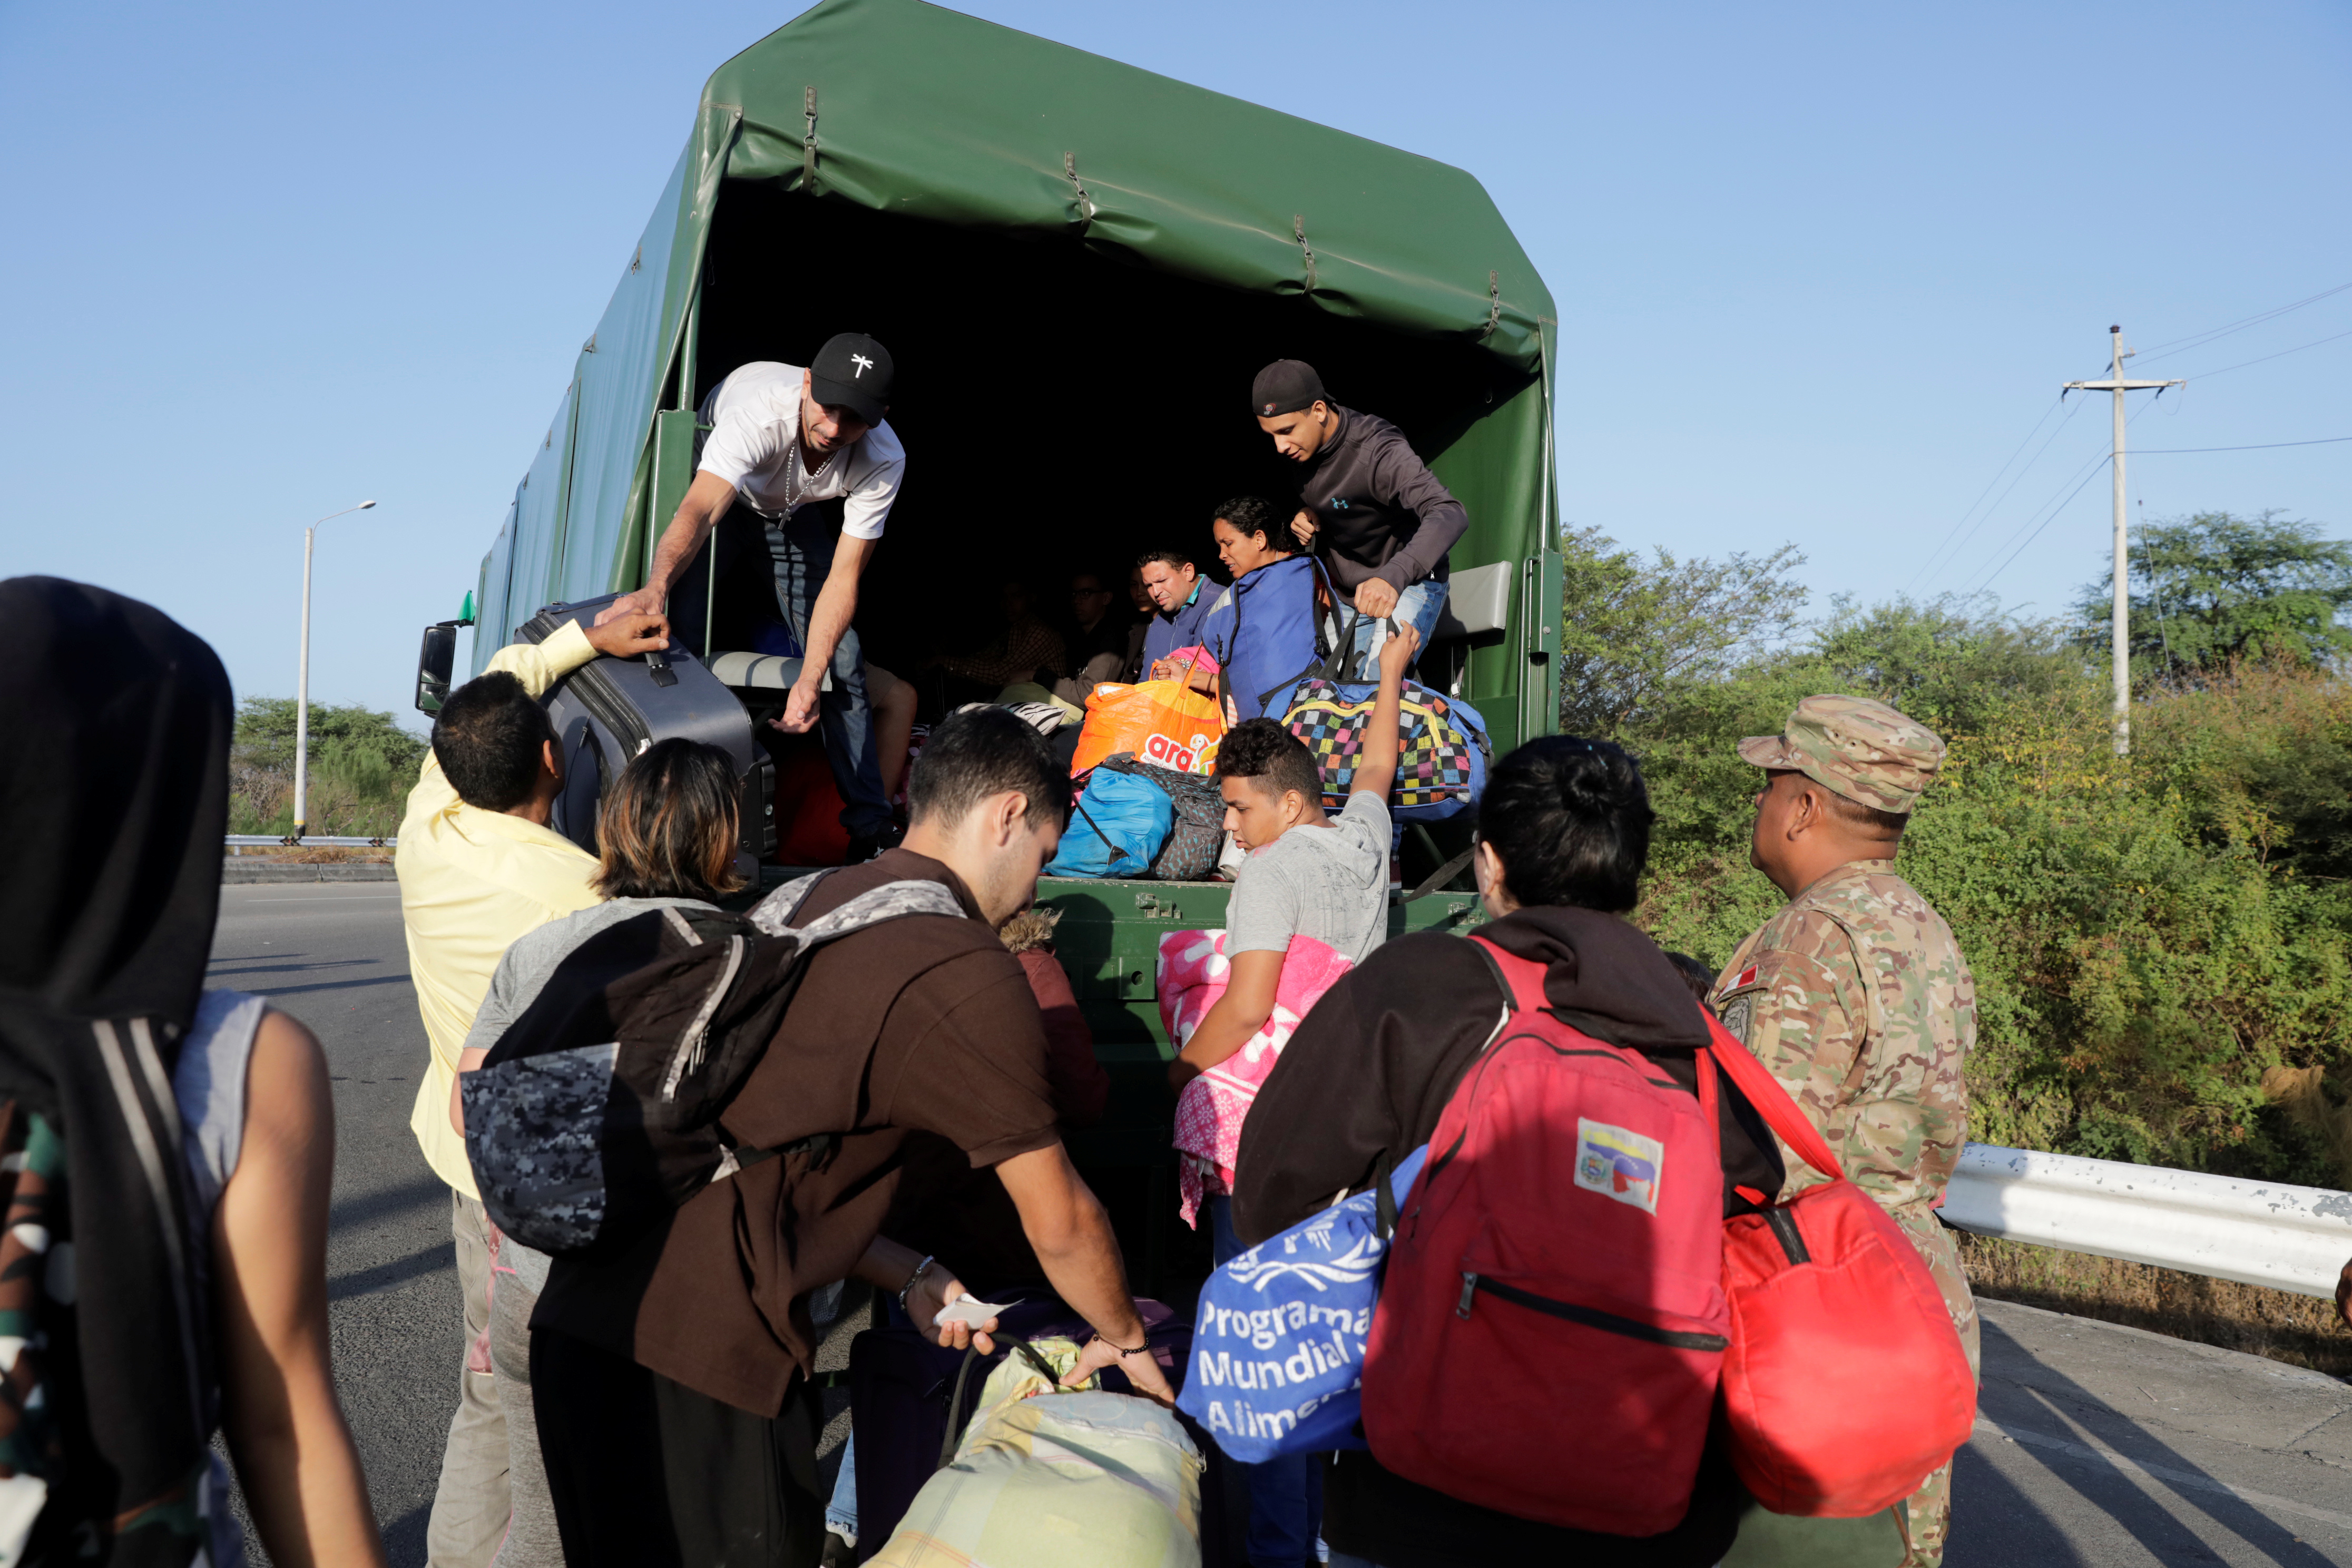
(1116, 829)
(1278, 1344)
(1265, 634)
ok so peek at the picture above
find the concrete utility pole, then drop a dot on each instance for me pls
(2121, 628)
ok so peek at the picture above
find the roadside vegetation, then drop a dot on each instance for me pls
(362, 765)
(2153, 936)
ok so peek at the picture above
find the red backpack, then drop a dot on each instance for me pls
(1552, 1327)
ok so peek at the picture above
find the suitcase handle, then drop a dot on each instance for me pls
(658, 661)
(954, 1434)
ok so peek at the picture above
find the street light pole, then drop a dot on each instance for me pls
(302, 682)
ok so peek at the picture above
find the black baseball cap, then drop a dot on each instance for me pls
(1286, 386)
(852, 372)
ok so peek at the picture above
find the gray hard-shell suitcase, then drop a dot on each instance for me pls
(609, 710)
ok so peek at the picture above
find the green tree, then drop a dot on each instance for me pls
(2150, 934)
(265, 734)
(2213, 589)
(361, 765)
(1634, 634)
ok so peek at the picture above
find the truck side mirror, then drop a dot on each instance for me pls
(435, 661)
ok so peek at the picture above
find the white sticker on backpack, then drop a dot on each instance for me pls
(1619, 1165)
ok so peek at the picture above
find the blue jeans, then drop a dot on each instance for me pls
(801, 553)
(1418, 605)
(840, 1513)
(1285, 1495)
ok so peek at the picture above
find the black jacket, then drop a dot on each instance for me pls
(1368, 1073)
(1380, 513)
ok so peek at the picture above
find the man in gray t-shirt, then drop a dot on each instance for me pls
(1331, 885)
(1308, 873)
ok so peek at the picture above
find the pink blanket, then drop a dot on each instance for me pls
(1209, 1114)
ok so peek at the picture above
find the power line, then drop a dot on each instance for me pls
(2018, 479)
(2204, 375)
(2046, 512)
(2258, 447)
(2197, 340)
(1929, 563)
(2100, 462)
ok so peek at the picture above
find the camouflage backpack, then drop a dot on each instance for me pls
(597, 1111)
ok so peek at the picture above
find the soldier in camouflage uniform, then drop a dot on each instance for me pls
(1856, 995)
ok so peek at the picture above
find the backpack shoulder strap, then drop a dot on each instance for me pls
(1521, 979)
(1771, 1101)
(774, 914)
(890, 901)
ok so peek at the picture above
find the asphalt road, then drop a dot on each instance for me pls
(332, 955)
(2096, 1446)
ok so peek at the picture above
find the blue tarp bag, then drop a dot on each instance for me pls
(1116, 829)
(1278, 1343)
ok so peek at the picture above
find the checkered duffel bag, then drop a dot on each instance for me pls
(1443, 755)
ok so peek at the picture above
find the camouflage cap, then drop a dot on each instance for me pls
(1863, 749)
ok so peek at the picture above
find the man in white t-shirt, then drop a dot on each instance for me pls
(782, 438)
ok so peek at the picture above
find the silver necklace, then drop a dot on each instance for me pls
(793, 492)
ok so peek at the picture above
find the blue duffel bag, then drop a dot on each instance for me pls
(1116, 829)
(1278, 1344)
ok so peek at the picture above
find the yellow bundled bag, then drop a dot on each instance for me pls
(1050, 1478)
(1162, 721)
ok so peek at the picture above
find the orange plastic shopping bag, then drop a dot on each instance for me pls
(1162, 721)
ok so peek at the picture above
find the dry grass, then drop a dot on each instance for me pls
(310, 855)
(2301, 1331)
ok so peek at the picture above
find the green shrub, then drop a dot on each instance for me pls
(362, 766)
(2148, 934)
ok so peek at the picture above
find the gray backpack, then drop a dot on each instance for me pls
(597, 1110)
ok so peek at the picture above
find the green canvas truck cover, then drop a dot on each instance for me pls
(913, 110)
(1181, 239)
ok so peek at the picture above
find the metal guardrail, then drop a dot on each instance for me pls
(307, 841)
(2257, 1233)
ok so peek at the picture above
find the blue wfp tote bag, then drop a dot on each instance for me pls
(1278, 1343)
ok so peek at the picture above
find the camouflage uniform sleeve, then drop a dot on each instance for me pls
(1800, 1008)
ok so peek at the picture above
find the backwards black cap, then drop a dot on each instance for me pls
(1286, 386)
(852, 372)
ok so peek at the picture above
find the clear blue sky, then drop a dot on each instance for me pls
(1819, 269)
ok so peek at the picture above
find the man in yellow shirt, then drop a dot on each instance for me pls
(479, 867)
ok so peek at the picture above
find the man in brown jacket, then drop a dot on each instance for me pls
(920, 1030)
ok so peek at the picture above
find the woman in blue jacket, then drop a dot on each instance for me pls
(1265, 630)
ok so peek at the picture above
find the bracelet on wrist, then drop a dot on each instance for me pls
(914, 1279)
(1142, 1349)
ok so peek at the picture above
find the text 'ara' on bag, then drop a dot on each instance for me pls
(597, 1111)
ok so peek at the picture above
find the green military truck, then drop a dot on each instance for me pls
(1077, 266)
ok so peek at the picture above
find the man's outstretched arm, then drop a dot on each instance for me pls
(1376, 769)
(829, 618)
(707, 500)
(1066, 1223)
